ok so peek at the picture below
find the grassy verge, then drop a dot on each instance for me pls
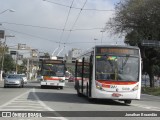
(151, 91)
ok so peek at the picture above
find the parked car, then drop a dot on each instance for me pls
(24, 78)
(13, 80)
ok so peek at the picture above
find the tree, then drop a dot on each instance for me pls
(8, 64)
(139, 20)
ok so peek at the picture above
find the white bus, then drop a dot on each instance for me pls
(53, 73)
(109, 72)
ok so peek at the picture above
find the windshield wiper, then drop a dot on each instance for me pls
(127, 57)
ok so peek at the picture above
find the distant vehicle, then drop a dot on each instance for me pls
(39, 78)
(71, 79)
(109, 72)
(67, 75)
(53, 73)
(24, 77)
(13, 80)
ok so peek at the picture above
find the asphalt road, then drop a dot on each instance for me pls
(52, 100)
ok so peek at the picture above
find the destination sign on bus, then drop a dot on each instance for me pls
(117, 51)
(52, 62)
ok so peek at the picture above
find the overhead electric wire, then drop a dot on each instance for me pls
(64, 26)
(89, 9)
(43, 27)
(73, 23)
(78, 15)
(66, 21)
(58, 29)
(76, 21)
(31, 35)
(84, 29)
(76, 18)
(91, 42)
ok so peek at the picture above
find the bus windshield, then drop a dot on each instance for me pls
(53, 70)
(117, 68)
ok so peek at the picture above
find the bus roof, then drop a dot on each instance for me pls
(118, 46)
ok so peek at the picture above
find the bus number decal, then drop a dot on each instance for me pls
(113, 86)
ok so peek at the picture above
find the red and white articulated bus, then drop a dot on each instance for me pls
(53, 73)
(109, 72)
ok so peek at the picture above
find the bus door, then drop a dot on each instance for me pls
(90, 76)
(85, 77)
(82, 77)
(78, 77)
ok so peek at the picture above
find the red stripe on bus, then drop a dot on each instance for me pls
(106, 86)
(117, 82)
(49, 78)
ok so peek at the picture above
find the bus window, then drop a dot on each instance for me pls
(117, 68)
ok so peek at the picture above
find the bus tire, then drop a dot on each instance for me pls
(127, 101)
(61, 87)
(42, 86)
(87, 91)
(92, 100)
(78, 93)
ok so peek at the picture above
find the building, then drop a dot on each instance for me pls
(73, 54)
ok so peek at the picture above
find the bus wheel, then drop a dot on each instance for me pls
(61, 87)
(87, 93)
(92, 100)
(78, 93)
(127, 101)
(42, 86)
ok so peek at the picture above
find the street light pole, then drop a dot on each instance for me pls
(102, 35)
(95, 40)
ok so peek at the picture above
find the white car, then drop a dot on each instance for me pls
(13, 80)
(24, 77)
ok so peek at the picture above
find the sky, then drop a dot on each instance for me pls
(57, 25)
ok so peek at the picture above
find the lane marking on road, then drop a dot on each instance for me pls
(12, 100)
(49, 109)
(22, 103)
(147, 107)
(157, 97)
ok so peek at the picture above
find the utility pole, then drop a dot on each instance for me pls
(102, 31)
(28, 70)
(1, 36)
(95, 40)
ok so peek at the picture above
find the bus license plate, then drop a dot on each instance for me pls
(53, 84)
(116, 95)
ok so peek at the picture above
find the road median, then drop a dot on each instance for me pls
(151, 91)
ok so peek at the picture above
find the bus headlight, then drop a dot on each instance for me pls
(61, 80)
(135, 88)
(99, 86)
